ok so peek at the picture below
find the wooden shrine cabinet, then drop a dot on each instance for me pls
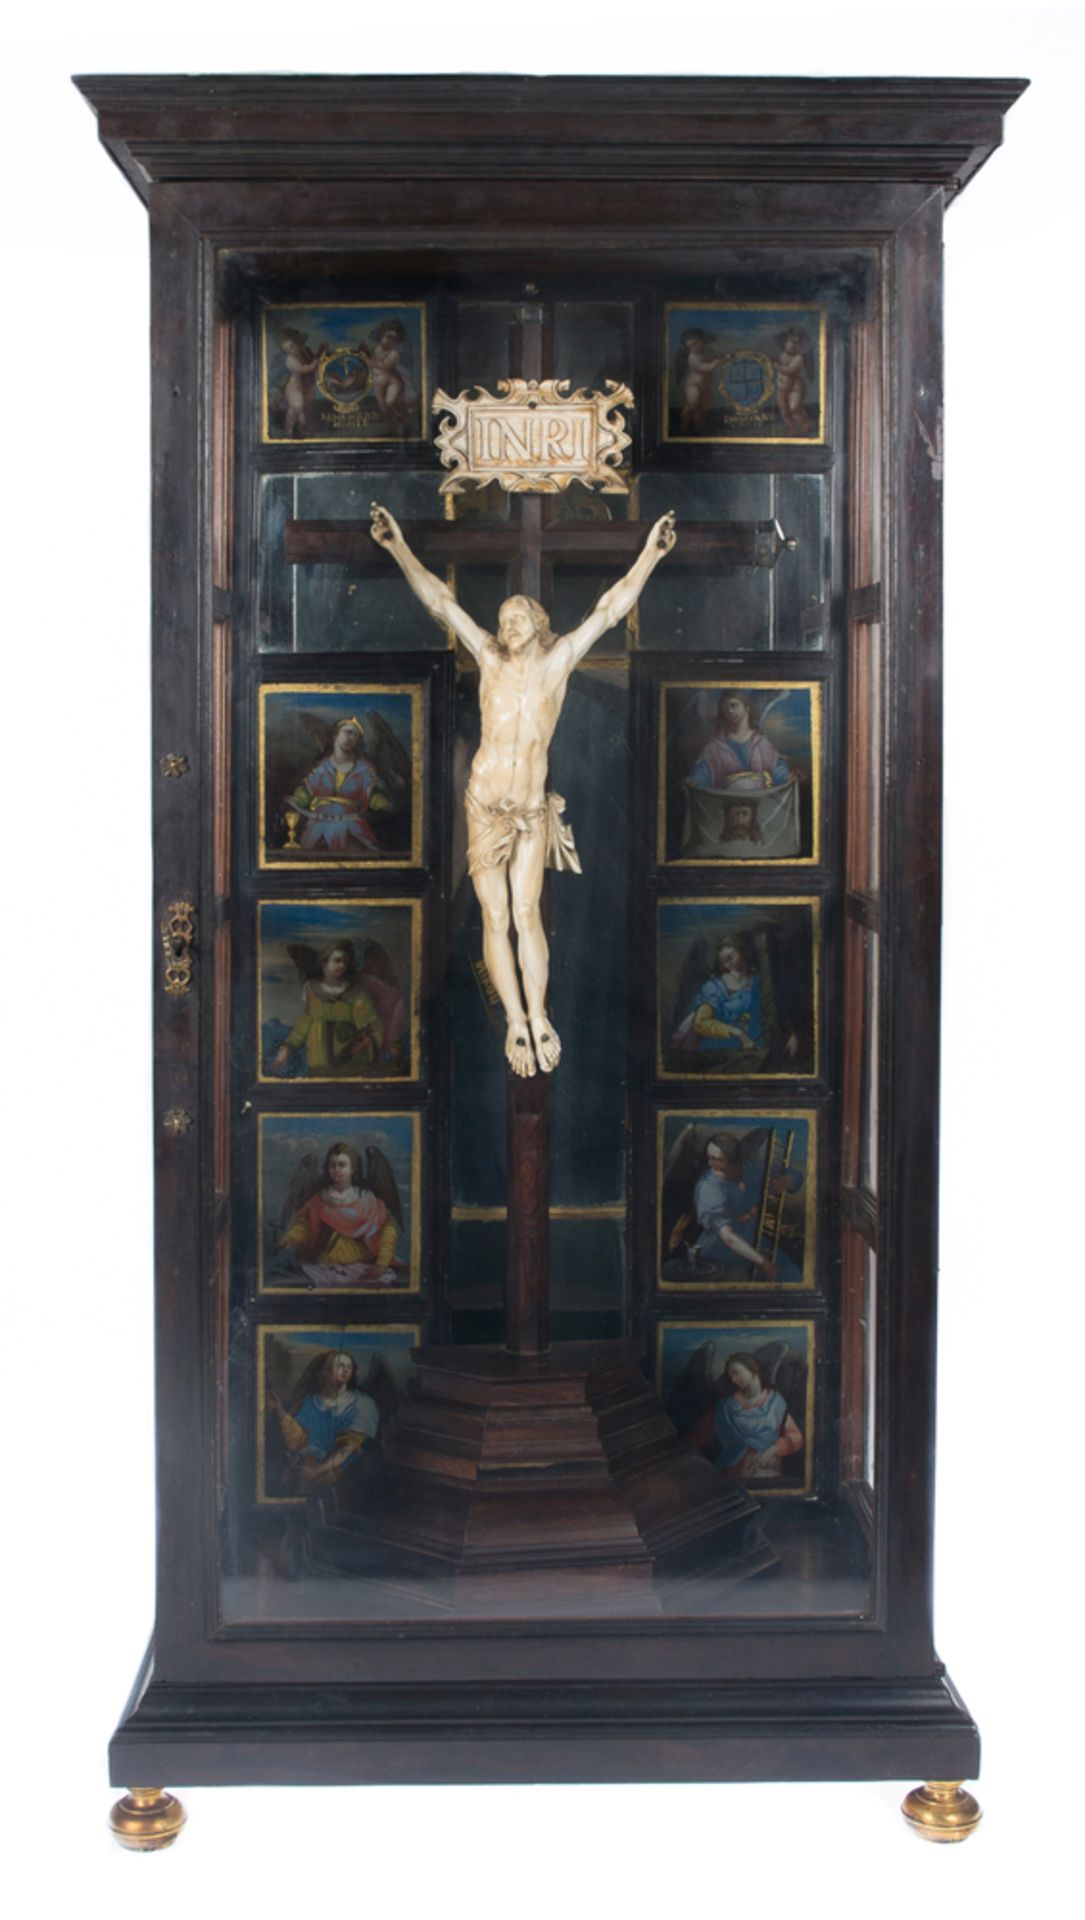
(571, 1427)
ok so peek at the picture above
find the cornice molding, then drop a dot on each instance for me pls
(168, 129)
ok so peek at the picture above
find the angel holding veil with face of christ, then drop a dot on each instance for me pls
(515, 827)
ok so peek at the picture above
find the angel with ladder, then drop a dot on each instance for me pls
(725, 1198)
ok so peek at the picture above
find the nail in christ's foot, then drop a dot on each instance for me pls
(547, 1044)
(518, 1051)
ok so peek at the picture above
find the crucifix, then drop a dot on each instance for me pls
(515, 825)
(514, 822)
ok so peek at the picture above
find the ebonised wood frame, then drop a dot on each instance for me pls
(670, 173)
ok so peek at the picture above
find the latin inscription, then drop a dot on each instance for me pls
(526, 438)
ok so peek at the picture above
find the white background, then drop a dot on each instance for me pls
(76, 1410)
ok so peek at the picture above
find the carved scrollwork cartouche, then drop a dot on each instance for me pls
(533, 436)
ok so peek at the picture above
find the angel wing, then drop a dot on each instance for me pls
(305, 960)
(776, 701)
(681, 365)
(304, 1182)
(377, 962)
(389, 756)
(693, 1392)
(679, 1179)
(320, 731)
(279, 1368)
(751, 1144)
(683, 1157)
(381, 1181)
(696, 968)
(689, 729)
(380, 1385)
(785, 1370)
(311, 1378)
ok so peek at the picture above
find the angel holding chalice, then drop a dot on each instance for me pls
(515, 826)
(362, 771)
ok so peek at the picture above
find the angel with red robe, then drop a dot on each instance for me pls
(340, 1226)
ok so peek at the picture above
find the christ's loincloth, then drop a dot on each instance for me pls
(494, 826)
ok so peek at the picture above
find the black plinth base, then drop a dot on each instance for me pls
(526, 1483)
(339, 1734)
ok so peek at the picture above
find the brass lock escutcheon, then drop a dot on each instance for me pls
(178, 935)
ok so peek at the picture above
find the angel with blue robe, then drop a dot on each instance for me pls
(725, 1016)
(754, 1429)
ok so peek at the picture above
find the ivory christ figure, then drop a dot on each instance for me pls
(515, 827)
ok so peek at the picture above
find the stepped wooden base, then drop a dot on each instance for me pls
(553, 1476)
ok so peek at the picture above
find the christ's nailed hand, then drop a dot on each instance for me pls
(385, 529)
(663, 534)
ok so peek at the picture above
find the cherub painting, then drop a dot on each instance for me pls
(742, 1394)
(744, 373)
(345, 372)
(795, 374)
(740, 771)
(327, 1396)
(736, 1196)
(696, 360)
(339, 1205)
(340, 776)
(737, 988)
(387, 353)
(297, 388)
(338, 995)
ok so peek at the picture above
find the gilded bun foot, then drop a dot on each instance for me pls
(941, 1810)
(147, 1819)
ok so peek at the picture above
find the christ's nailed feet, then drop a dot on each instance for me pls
(547, 1044)
(518, 1050)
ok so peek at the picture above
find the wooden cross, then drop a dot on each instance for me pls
(527, 545)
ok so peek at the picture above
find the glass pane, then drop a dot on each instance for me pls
(482, 333)
(572, 591)
(593, 342)
(588, 1295)
(325, 608)
(691, 1216)
(800, 579)
(738, 608)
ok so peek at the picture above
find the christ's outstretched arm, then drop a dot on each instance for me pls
(435, 596)
(622, 597)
